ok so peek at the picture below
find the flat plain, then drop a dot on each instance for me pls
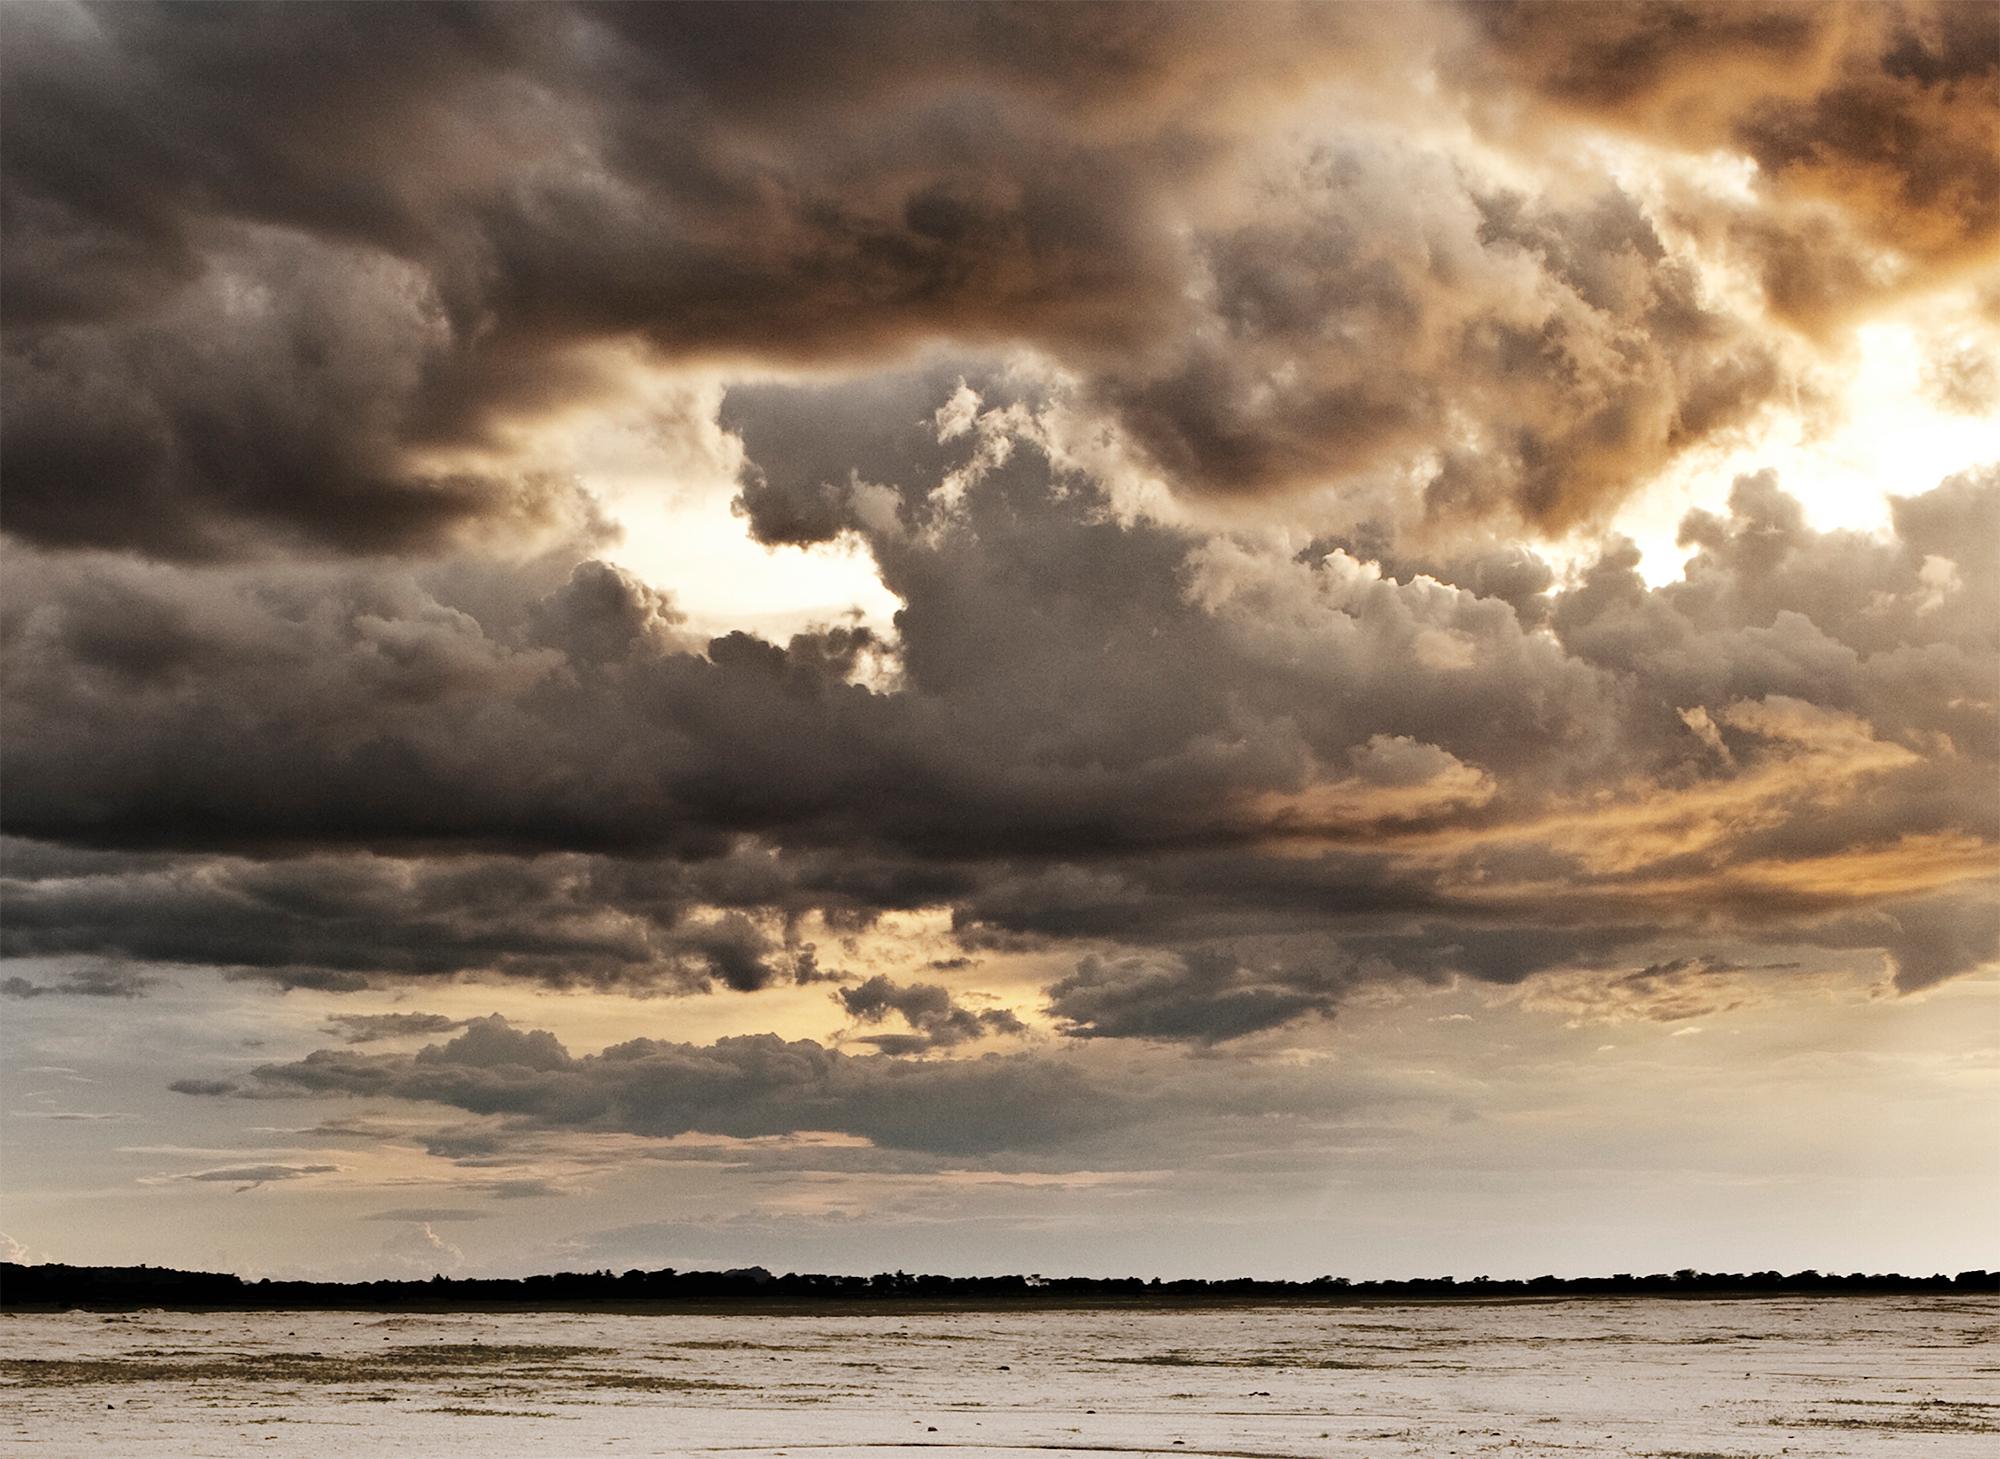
(1663, 1379)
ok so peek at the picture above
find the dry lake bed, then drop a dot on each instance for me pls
(1782, 1376)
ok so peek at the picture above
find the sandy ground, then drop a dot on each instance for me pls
(1672, 1380)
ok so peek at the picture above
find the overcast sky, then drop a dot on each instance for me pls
(1243, 639)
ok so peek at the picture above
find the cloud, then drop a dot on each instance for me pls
(1964, 377)
(518, 1188)
(14, 1251)
(743, 1086)
(69, 1115)
(935, 1018)
(209, 1088)
(249, 1177)
(1266, 774)
(1209, 432)
(1526, 358)
(368, 1028)
(1877, 116)
(262, 404)
(251, 325)
(1098, 1106)
(336, 921)
(106, 982)
(1205, 995)
(254, 329)
(426, 1215)
(1663, 992)
(418, 1248)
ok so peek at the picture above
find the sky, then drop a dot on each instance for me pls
(1217, 640)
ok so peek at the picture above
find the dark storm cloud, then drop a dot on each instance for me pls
(246, 314)
(813, 451)
(936, 1019)
(1844, 621)
(1927, 939)
(394, 710)
(1238, 960)
(1207, 996)
(1266, 775)
(1884, 115)
(1382, 311)
(1391, 308)
(1098, 1107)
(339, 921)
(265, 402)
(333, 921)
(744, 1087)
(243, 306)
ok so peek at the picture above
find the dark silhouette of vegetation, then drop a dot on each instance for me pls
(57, 1287)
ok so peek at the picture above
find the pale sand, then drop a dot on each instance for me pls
(1864, 1376)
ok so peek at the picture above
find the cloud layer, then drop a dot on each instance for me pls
(1088, 729)
(243, 316)
(1243, 407)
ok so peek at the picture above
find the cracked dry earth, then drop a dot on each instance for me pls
(1660, 1379)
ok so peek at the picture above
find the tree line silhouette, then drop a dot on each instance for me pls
(56, 1287)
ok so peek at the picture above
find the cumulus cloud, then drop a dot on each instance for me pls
(744, 1086)
(1206, 995)
(418, 1248)
(1884, 113)
(1523, 357)
(1202, 747)
(262, 324)
(313, 672)
(1095, 1106)
(244, 320)
(14, 1251)
(368, 1028)
(936, 1019)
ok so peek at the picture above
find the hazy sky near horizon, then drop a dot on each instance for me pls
(1234, 639)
